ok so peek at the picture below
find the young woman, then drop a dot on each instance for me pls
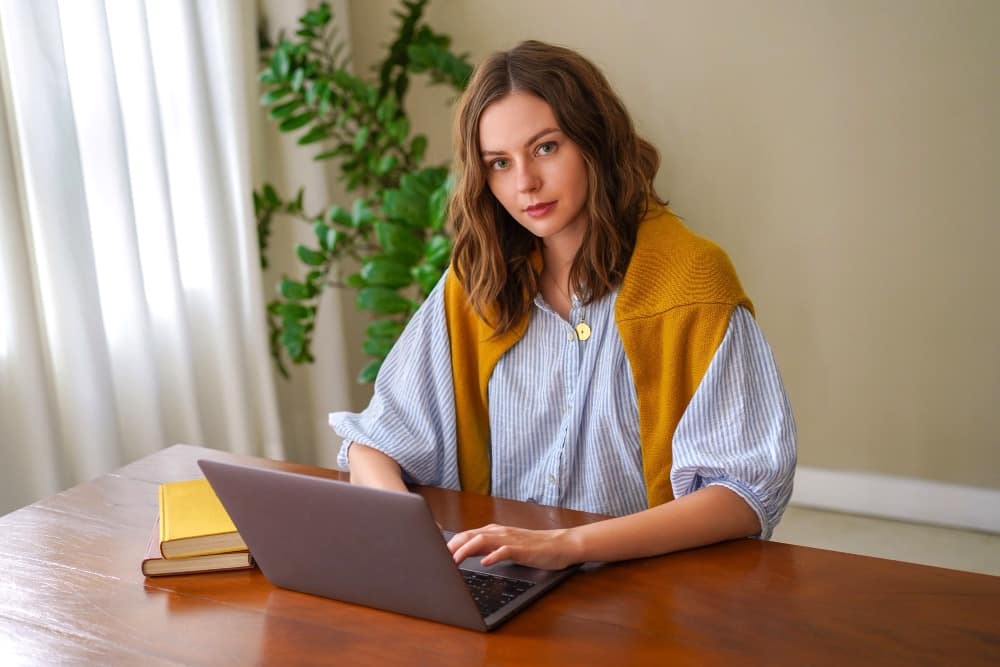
(585, 349)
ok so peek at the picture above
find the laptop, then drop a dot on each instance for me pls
(367, 546)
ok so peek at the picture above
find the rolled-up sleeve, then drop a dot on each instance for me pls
(411, 417)
(738, 431)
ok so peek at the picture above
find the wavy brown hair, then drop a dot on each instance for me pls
(492, 251)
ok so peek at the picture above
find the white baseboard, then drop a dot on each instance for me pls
(901, 498)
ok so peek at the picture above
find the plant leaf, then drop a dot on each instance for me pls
(328, 237)
(340, 216)
(370, 372)
(283, 110)
(282, 63)
(382, 272)
(268, 76)
(298, 77)
(378, 346)
(399, 128)
(293, 311)
(427, 277)
(438, 250)
(386, 109)
(318, 133)
(294, 342)
(402, 243)
(418, 147)
(384, 328)
(309, 256)
(385, 164)
(361, 213)
(382, 300)
(295, 122)
(292, 290)
(271, 195)
(405, 206)
(272, 96)
(361, 138)
(437, 208)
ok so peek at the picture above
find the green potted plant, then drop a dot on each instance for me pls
(394, 228)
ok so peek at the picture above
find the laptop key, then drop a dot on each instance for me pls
(491, 591)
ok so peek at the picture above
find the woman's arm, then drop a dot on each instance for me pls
(411, 417)
(370, 467)
(709, 515)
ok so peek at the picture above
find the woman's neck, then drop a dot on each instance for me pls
(559, 253)
(558, 268)
(555, 285)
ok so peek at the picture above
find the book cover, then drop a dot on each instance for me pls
(154, 565)
(193, 521)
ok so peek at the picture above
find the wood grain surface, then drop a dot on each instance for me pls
(71, 592)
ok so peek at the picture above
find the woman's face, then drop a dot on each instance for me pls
(533, 169)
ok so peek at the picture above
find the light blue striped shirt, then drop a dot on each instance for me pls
(564, 419)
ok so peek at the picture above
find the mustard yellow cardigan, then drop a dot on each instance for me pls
(672, 313)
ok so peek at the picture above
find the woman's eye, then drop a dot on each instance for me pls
(546, 148)
(500, 163)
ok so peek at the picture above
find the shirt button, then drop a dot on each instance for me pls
(569, 336)
(552, 479)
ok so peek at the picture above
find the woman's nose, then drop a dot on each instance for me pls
(527, 179)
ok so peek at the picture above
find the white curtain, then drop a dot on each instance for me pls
(131, 306)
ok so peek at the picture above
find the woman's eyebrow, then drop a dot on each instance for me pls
(533, 139)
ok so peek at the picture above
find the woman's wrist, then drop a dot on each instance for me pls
(573, 544)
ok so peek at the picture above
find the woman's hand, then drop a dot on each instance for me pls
(547, 549)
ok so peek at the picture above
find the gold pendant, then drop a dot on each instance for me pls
(583, 330)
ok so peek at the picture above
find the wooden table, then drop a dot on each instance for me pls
(71, 592)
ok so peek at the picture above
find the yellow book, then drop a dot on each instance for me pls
(193, 521)
(155, 565)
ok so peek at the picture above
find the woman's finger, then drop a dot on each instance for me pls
(505, 552)
(477, 544)
(458, 539)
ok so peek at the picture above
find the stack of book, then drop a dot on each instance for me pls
(193, 533)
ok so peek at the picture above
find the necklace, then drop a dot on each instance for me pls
(582, 328)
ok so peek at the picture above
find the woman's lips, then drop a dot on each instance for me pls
(540, 210)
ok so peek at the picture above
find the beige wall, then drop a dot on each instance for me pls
(845, 154)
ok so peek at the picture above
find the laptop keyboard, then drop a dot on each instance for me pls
(492, 591)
